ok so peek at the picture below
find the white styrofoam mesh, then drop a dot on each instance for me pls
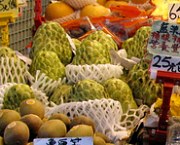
(12, 70)
(106, 113)
(99, 72)
(44, 83)
(78, 4)
(39, 95)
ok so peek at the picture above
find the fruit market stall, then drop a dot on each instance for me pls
(91, 75)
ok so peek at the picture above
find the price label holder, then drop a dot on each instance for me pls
(173, 12)
(8, 13)
(64, 141)
(164, 45)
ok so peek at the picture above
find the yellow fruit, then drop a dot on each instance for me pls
(174, 104)
(57, 10)
(101, 2)
(115, 3)
(80, 131)
(95, 10)
(32, 106)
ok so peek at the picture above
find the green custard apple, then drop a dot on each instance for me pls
(120, 91)
(48, 63)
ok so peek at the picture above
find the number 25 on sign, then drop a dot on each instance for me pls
(164, 63)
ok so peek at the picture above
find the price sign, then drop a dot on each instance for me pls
(8, 8)
(164, 39)
(174, 12)
(164, 63)
(64, 141)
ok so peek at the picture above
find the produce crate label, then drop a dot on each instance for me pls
(164, 63)
(8, 8)
(164, 39)
(64, 141)
(173, 12)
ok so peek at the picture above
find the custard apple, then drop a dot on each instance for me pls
(15, 95)
(7, 52)
(105, 39)
(120, 91)
(12, 68)
(48, 63)
(136, 45)
(61, 94)
(51, 36)
(145, 89)
(91, 52)
(85, 90)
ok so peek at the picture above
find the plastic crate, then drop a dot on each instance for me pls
(20, 32)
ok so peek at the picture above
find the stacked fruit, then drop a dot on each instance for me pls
(66, 10)
(19, 128)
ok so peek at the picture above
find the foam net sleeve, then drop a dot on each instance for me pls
(106, 113)
(12, 70)
(39, 95)
(44, 83)
(99, 72)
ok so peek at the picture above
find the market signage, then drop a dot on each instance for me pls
(174, 12)
(8, 8)
(164, 44)
(64, 141)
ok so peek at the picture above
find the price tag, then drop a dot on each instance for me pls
(64, 141)
(173, 12)
(164, 63)
(8, 8)
(164, 39)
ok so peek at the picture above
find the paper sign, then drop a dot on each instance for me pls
(164, 39)
(164, 63)
(173, 12)
(64, 141)
(8, 8)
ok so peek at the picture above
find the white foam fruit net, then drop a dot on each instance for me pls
(12, 70)
(39, 95)
(99, 72)
(43, 83)
(106, 113)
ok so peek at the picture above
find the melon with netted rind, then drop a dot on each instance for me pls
(48, 63)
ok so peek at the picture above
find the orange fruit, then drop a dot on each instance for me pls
(94, 10)
(57, 10)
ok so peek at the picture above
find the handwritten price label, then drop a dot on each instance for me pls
(164, 63)
(174, 12)
(8, 8)
(64, 141)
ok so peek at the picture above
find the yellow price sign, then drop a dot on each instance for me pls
(8, 9)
